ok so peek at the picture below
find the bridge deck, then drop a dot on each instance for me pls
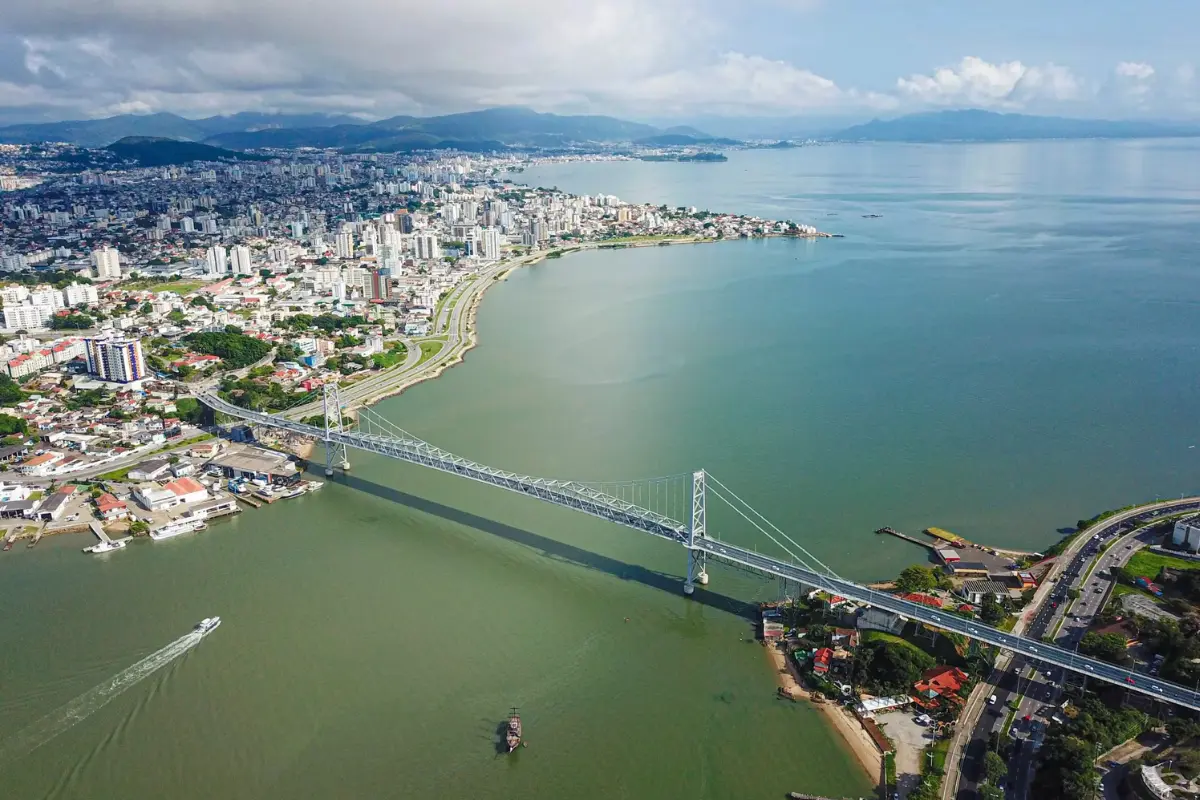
(590, 501)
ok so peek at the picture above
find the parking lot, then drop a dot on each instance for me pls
(911, 738)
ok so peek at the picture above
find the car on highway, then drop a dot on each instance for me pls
(1129, 679)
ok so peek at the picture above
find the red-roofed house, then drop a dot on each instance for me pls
(821, 660)
(943, 682)
(111, 508)
(187, 490)
(923, 599)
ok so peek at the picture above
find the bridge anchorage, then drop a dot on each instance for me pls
(656, 507)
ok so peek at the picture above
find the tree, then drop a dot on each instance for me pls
(991, 611)
(234, 349)
(1109, 647)
(916, 579)
(138, 527)
(1182, 729)
(71, 322)
(994, 768)
(986, 791)
(10, 392)
(10, 425)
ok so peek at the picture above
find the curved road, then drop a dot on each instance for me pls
(973, 727)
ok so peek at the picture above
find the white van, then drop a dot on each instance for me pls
(992, 700)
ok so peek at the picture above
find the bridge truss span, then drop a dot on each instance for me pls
(622, 503)
(404, 447)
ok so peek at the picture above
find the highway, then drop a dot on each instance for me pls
(1036, 689)
(453, 322)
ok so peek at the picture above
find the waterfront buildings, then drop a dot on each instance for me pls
(1186, 534)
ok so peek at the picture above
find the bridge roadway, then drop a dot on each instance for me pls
(590, 501)
(569, 494)
(1031, 648)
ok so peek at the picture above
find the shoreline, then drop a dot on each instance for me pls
(855, 739)
(470, 338)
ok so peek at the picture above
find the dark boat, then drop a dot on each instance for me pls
(512, 736)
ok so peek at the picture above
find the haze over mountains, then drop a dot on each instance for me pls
(501, 128)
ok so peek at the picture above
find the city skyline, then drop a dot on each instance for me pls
(668, 60)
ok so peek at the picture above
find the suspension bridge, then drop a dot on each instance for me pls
(674, 508)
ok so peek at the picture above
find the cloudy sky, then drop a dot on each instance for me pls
(642, 59)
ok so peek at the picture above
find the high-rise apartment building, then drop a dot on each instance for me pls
(380, 287)
(81, 294)
(107, 261)
(215, 260)
(118, 360)
(239, 260)
(427, 246)
(344, 245)
(489, 243)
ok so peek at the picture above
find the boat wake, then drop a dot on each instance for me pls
(75, 711)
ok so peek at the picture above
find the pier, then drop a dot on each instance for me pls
(98, 529)
(906, 537)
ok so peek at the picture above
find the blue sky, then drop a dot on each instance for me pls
(661, 59)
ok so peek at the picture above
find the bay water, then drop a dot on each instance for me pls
(1006, 344)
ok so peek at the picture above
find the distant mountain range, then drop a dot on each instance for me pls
(506, 128)
(156, 151)
(100, 132)
(988, 126)
(492, 129)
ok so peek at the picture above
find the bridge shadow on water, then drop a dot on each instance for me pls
(550, 547)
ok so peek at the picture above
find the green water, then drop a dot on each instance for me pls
(1011, 346)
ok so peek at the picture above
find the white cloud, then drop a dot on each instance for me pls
(975, 82)
(739, 84)
(383, 57)
(1134, 69)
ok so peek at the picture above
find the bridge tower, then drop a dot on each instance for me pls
(696, 558)
(335, 452)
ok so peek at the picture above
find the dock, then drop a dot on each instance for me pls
(37, 537)
(905, 537)
(249, 501)
(98, 529)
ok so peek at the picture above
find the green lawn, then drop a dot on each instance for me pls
(1147, 564)
(940, 748)
(429, 349)
(180, 287)
(941, 649)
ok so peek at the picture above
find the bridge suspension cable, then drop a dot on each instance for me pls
(808, 559)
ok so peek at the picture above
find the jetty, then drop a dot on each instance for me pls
(905, 537)
(249, 501)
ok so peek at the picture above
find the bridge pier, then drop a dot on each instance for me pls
(695, 572)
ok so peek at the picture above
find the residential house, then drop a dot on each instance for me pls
(975, 591)
(42, 464)
(942, 682)
(55, 505)
(821, 660)
(111, 508)
(150, 470)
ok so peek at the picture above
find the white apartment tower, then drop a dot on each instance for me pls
(215, 260)
(107, 261)
(81, 294)
(344, 245)
(117, 360)
(489, 244)
(427, 246)
(239, 260)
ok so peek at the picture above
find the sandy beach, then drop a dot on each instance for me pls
(857, 739)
